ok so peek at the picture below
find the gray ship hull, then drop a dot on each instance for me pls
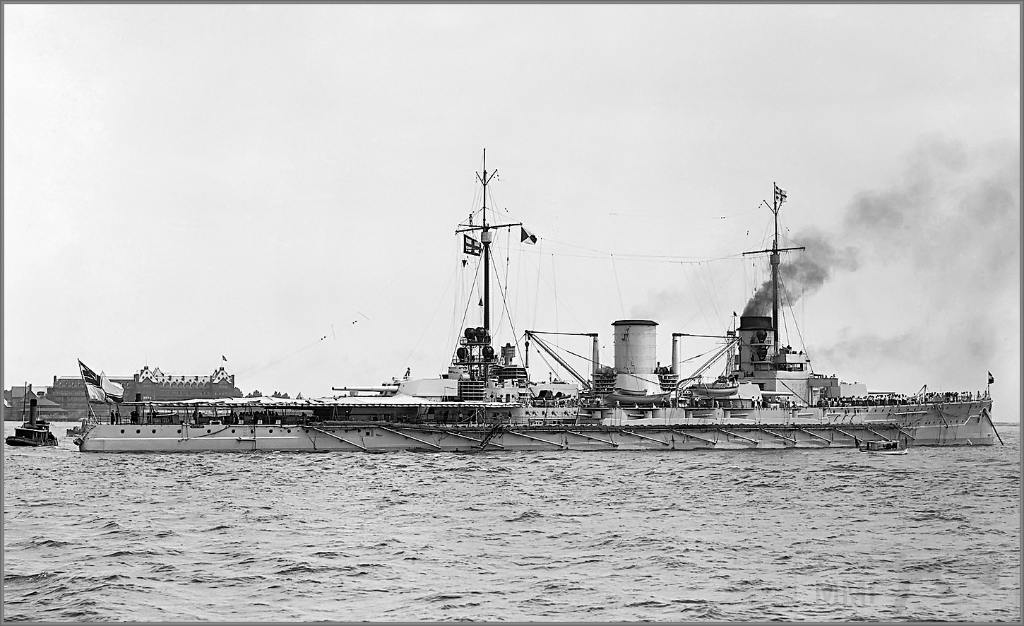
(945, 424)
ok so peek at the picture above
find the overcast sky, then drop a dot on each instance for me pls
(280, 185)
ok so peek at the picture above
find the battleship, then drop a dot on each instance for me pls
(766, 397)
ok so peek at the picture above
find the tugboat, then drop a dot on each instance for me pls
(33, 432)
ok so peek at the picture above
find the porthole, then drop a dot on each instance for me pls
(122, 431)
(138, 431)
(271, 430)
(289, 430)
(207, 430)
(154, 431)
(232, 431)
(179, 431)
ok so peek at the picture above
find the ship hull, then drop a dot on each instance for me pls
(949, 424)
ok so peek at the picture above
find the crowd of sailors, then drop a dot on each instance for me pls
(197, 417)
(903, 399)
(256, 417)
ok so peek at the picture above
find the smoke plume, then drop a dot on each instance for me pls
(803, 271)
(947, 233)
(950, 210)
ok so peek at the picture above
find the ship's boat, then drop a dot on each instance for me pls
(883, 447)
(721, 391)
(627, 400)
(767, 396)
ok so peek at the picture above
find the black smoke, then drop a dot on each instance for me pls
(947, 231)
(802, 272)
(950, 209)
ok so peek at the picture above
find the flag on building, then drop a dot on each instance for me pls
(526, 236)
(114, 391)
(93, 384)
(780, 195)
(471, 246)
(223, 358)
(991, 378)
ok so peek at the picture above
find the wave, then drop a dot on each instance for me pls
(563, 537)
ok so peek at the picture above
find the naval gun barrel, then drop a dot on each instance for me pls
(388, 389)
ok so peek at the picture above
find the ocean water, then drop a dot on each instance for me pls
(710, 535)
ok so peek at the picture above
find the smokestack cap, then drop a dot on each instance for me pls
(755, 322)
(634, 323)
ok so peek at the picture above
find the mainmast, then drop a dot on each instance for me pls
(776, 206)
(485, 238)
(775, 260)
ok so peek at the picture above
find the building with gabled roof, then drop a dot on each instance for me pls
(146, 384)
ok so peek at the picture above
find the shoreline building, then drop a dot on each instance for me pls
(146, 384)
(15, 400)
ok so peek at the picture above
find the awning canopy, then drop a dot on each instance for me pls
(395, 401)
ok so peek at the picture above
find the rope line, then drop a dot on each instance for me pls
(469, 302)
(504, 300)
(622, 305)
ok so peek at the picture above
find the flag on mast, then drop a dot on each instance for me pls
(114, 391)
(471, 246)
(526, 236)
(780, 195)
(93, 384)
(991, 378)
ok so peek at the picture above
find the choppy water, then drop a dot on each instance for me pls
(739, 535)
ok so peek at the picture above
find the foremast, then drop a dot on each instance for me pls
(477, 354)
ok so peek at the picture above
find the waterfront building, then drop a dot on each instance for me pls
(146, 384)
(46, 408)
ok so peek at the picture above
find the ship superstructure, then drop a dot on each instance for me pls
(766, 397)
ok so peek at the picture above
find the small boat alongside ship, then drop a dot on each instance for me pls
(768, 397)
(884, 447)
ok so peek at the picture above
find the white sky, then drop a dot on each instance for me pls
(184, 182)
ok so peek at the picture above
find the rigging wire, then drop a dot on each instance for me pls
(710, 280)
(554, 291)
(504, 300)
(508, 252)
(561, 305)
(469, 302)
(700, 305)
(519, 280)
(280, 359)
(799, 333)
(551, 368)
(627, 255)
(636, 376)
(433, 314)
(618, 288)
(458, 271)
(536, 284)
